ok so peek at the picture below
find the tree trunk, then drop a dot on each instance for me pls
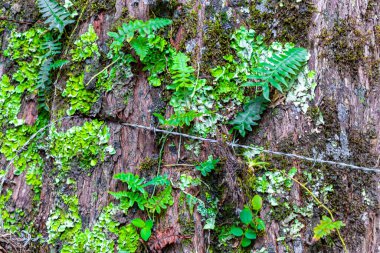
(343, 39)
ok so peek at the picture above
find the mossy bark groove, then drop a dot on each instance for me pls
(343, 40)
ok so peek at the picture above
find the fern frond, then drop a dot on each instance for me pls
(181, 73)
(158, 180)
(126, 32)
(178, 119)
(120, 194)
(141, 46)
(135, 183)
(250, 115)
(128, 199)
(279, 70)
(53, 48)
(56, 16)
(44, 74)
(161, 201)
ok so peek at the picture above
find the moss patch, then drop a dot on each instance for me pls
(344, 44)
(284, 21)
(216, 42)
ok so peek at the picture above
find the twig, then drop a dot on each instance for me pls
(323, 206)
(18, 21)
(178, 165)
(105, 68)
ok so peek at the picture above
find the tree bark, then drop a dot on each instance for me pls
(343, 39)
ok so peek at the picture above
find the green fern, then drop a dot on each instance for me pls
(250, 115)
(181, 72)
(135, 183)
(158, 180)
(56, 16)
(141, 46)
(139, 195)
(279, 70)
(326, 226)
(126, 32)
(53, 48)
(178, 119)
(161, 201)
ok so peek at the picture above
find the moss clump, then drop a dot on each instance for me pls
(216, 42)
(284, 20)
(148, 163)
(93, 7)
(163, 8)
(186, 18)
(344, 44)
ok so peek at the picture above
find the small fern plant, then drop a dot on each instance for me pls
(138, 193)
(250, 116)
(57, 17)
(280, 70)
(136, 33)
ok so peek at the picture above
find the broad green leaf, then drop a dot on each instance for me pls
(149, 224)
(246, 216)
(250, 234)
(138, 223)
(146, 233)
(236, 231)
(246, 242)
(260, 224)
(257, 202)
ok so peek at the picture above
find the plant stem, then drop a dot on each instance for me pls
(320, 204)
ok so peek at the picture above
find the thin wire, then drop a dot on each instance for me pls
(231, 144)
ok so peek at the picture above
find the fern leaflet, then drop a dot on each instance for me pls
(57, 16)
(279, 70)
(250, 115)
(182, 74)
(135, 183)
(158, 180)
(161, 201)
(127, 31)
(141, 46)
(178, 119)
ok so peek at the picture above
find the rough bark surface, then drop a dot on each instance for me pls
(348, 94)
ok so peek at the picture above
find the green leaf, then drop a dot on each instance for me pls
(246, 216)
(292, 172)
(146, 233)
(257, 202)
(141, 46)
(56, 16)
(260, 224)
(245, 242)
(326, 227)
(138, 222)
(207, 166)
(250, 115)
(236, 231)
(279, 69)
(250, 234)
(149, 224)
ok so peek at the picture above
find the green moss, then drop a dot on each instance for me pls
(148, 164)
(93, 7)
(344, 43)
(185, 18)
(284, 21)
(217, 44)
